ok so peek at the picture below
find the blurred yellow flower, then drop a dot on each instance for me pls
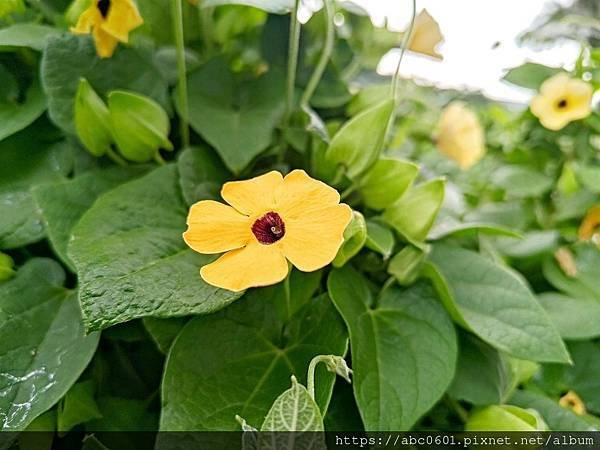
(271, 218)
(460, 135)
(572, 401)
(561, 100)
(426, 35)
(590, 227)
(110, 22)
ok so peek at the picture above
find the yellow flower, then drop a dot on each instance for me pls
(590, 227)
(110, 22)
(572, 401)
(561, 100)
(426, 35)
(271, 218)
(460, 135)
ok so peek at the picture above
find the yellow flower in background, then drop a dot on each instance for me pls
(572, 401)
(590, 227)
(271, 220)
(426, 35)
(460, 136)
(561, 100)
(110, 22)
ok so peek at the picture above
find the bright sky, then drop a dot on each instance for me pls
(470, 29)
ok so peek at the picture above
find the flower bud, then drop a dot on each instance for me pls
(11, 6)
(6, 267)
(140, 125)
(337, 365)
(355, 236)
(92, 120)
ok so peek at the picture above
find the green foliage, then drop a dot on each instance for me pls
(251, 349)
(118, 270)
(448, 300)
(237, 118)
(393, 389)
(494, 303)
(42, 342)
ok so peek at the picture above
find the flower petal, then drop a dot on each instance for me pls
(312, 240)
(123, 17)
(252, 196)
(252, 266)
(104, 42)
(300, 195)
(215, 228)
(87, 20)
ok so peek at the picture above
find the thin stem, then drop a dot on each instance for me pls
(310, 378)
(405, 43)
(181, 71)
(47, 11)
(292, 66)
(461, 412)
(325, 55)
(205, 16)
(114, 156)
(348, 191)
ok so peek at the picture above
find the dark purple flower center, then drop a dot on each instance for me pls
(104, 6)
(562, 103)
(269, 228)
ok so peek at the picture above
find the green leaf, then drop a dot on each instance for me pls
(495, 304)
(403, 349)
(414, 214)
(201, 174)
(294, 410)
(580, 376)
(15, 116)
(43, 349)
(78, 406)
(380, 238)
(449, 226)
(62, 204)
(27, 160)
(589, 176)
(483, 374)
(357, 145)
(39, 435)
(406, 265)
(164, 331)
(530, 75)
(124, 414)
(131, 260)
(557, 417)
(532, 243)
(238, 119)
(574, 317)
(505, 418)
(386, 181)
(29, 35)
(520, 182)
(69, 58)
(272, 6)
(585, 284)
(140, 126)
(355, 236)
(239, 360)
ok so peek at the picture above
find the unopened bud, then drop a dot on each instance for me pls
(140, 125)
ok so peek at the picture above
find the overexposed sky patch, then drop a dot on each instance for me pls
(480, 43)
